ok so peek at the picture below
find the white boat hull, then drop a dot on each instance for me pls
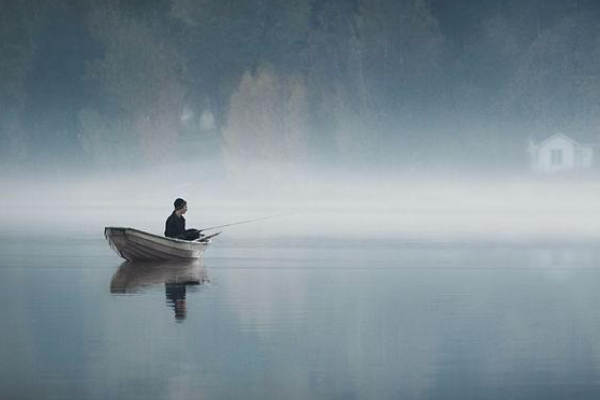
(135, 245)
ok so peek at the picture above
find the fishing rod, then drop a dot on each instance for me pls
(244, 222)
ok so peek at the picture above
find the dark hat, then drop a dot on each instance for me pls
(179, 203)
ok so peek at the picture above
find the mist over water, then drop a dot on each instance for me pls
(375, 207)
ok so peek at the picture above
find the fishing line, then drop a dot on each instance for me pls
(245, 222)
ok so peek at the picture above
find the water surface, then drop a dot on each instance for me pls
(301, 318)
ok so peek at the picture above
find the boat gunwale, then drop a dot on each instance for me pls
(160, 239)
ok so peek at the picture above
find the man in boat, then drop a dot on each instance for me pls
(175, 225)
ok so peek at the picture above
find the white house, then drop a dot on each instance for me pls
(560, 153)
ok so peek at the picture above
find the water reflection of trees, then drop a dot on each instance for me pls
(176, 276)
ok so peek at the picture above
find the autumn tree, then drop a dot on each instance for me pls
(265, 131)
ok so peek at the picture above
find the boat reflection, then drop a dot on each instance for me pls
(175, 275)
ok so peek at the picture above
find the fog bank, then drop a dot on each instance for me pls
(426, 208)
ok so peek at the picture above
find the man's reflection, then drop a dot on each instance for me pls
(175, 293)
(133, 277)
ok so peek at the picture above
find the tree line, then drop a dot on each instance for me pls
(411, 84)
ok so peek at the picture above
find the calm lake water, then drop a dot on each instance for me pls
(301, 319)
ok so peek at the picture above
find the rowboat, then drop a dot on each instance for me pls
(135, 245)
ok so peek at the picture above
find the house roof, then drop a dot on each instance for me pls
(576, 138)
(558, 135)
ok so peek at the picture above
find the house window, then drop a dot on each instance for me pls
(579, 158)
(556, 157)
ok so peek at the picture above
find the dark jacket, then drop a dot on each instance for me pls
(175, 227)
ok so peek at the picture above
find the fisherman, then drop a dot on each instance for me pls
(175, 225)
